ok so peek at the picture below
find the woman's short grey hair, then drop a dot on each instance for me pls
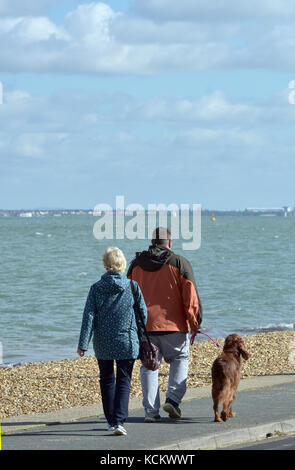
(114, 259)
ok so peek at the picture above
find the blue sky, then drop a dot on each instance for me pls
(183, 102)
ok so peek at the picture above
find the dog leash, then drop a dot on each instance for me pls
(202, 333)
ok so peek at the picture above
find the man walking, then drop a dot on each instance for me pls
(174, 308)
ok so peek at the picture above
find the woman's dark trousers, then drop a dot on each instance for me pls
(115, 391)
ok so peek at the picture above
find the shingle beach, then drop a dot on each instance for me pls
(50, 386)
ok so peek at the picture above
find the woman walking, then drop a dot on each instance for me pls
(109, 316)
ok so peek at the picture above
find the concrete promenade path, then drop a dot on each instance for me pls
(265, 406)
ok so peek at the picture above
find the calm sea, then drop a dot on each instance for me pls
(245, 271)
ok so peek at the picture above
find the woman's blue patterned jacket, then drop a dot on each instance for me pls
(109, 316)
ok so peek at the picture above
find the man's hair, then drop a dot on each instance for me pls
(161, 236)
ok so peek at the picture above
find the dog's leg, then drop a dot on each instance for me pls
(224, 413)
(217, 419)
(232, 414)
(227, 396)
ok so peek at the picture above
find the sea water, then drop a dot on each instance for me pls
(244, 269)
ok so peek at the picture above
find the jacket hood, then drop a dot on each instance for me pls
(153, 258)
(114, 282)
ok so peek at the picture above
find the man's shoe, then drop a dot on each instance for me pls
(172, 408)
(111, 428)
(120, 430)
(152, 419)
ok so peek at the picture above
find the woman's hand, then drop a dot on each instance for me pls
(81, 352)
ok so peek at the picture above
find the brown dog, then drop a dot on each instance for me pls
(226, 375)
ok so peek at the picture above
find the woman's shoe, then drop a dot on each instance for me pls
(120, 430)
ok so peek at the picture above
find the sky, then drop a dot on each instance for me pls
(184, 102)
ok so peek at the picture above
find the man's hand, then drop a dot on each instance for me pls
(81, 352)
(193, 335)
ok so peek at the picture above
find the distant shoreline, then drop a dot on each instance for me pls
(28, 213)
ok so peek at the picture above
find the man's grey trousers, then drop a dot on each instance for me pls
(174, 348)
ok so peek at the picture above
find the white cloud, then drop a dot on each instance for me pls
(85, 138)
(85, 113)
(95, 39)
(22, 31)
(17, 97)
(214, 109)
(90, 20)
(30, 145)
(62, 124)
(221, 10)
(211, 108)
(132, 30)
(236, 142)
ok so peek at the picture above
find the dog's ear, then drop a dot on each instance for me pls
(245, 355)
(242, 350)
